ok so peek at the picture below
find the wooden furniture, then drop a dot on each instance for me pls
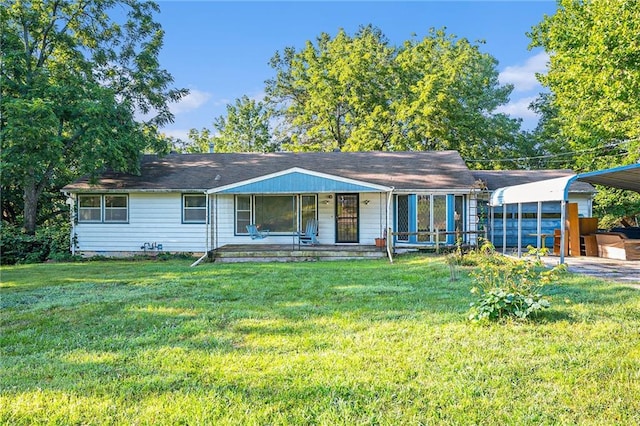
(590, 245)
(573, 228)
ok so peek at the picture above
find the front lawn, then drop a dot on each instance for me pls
(331, 343)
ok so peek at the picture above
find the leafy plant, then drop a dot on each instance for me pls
(49, 243)
(510, 288)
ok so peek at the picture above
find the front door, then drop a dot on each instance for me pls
(347, 222)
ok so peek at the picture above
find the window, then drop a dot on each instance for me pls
(194, 208)
(283, 214)
(90, 208)
(308, 209)
(115, 208)
(277, 213)
(103, 208)
(243, 213)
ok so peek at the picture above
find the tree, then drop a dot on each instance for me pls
(335, 94)
(245, 128)
(360, 93)
(594, 78)
(73, 80)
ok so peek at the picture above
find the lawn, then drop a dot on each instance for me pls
(328, 343)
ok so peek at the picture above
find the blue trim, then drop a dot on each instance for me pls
(297, 182)
(451, 222)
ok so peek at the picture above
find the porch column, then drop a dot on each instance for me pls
(388, 227)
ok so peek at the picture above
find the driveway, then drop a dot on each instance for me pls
(622, 271)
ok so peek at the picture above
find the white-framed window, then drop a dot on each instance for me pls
(243, 213)
(116, 208)
(103, 208)
(279, 213)
(194, 208)
(90, 208)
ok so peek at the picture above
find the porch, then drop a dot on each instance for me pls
(231, 253)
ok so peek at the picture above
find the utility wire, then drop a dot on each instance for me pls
(540, 157)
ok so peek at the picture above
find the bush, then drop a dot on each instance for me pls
(49, 243)
(510, 287)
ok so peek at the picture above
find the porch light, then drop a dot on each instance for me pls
(366, 202)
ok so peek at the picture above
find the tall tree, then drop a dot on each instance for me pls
(360, 93)
(245, 128)
(594, 78)
(74, 77)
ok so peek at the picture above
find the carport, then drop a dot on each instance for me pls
(624, 177)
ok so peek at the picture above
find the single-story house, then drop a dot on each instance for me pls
(201, 202)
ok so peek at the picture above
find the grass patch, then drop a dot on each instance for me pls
(364, 342)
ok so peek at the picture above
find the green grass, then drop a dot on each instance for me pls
(331, 343)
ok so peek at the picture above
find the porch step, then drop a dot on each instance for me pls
(287, 253)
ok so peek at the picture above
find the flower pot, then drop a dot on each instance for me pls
(381, 242)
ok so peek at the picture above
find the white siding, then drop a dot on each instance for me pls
(584, 203)
(153, 218)
(372, 221)
(157, 218)
(372, 217)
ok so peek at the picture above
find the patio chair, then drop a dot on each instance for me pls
(309, 235)
(257, 234)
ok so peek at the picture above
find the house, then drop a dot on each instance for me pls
(580, 193)
(200, 202)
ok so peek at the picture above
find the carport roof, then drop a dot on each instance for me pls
(624, 177)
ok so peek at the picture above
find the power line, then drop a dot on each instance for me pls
(541, 157)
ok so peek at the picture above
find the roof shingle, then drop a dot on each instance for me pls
(421, 170)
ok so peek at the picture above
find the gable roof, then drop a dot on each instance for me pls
(297, 180)
(423, 170)
(494, 179)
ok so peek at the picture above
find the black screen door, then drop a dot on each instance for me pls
(347, 222)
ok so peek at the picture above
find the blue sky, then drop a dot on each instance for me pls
(220, 50)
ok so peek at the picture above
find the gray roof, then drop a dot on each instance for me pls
(494, 179)
(424, 170)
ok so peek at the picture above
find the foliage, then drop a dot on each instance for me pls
(245, 128)
(49, 243)
(510, 288)
(359, 93)
(594, 77)
(591, 117)
(612, 206)
(361, 342)
(75, 76)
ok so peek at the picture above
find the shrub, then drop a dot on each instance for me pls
(510, 287)
(49, 243)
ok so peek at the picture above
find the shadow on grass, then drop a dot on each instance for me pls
(151, 327)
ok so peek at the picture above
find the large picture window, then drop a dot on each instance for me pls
(194, 208)
(277, 213)
(103, 208)
(280, 214)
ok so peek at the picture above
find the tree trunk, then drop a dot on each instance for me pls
(31, 195)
